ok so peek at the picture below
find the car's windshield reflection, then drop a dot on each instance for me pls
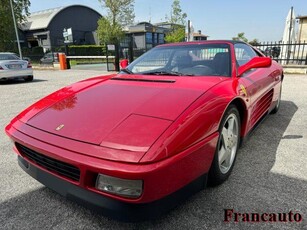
(183, 60)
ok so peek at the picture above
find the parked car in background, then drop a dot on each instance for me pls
(12, 67)
(133, 144)
(273, 52)
(50, 58)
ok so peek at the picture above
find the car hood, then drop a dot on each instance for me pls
(126, 113)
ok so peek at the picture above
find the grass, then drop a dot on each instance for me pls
(88, 61)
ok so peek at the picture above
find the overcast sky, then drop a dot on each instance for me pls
(220, 19)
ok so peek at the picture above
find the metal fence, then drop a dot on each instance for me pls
(285, 53)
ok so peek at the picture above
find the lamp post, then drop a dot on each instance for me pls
(16, 31)
(289, 40)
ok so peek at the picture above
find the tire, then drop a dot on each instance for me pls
(227, 147)
(29, 78)
(276, 108)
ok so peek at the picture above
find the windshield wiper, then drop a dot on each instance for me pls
(126, 71)
(161, 72)
(171, 73)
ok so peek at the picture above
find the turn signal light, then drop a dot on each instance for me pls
(120, 187)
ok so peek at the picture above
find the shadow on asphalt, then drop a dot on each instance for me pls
(252, 187)
(10, 82)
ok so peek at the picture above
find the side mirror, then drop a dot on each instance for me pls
(256, 62)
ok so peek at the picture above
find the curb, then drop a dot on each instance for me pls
(43, 67)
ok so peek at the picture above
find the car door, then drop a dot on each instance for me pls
(258, 83)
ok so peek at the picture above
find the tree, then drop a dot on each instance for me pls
(108, 32)
(176, 35)
(7, 34)
(120, 13)
(178, 21)
(240, 37)
(254, 42)
(177, 16)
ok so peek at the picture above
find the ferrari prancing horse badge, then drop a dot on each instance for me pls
(59, 127)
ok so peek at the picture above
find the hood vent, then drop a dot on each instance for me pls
(144, 79)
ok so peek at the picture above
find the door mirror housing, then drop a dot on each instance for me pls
(256, 62)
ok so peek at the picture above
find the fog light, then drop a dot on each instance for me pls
(121, 187)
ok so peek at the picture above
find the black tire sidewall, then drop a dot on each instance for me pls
(276, 108)
(216, 177)
(29, 78)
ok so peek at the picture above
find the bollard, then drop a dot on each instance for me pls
(62, 60)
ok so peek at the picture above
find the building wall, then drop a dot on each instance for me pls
(303, 30)
(82, 20)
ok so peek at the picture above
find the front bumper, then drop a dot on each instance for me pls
(170, 179)
(108, 206)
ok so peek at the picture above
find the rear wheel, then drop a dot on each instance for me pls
(29, 78)
(276, 108)
(227, 146)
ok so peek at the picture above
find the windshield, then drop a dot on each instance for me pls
(8, 57)
(186, 60)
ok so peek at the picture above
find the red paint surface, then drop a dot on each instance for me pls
(163, 133)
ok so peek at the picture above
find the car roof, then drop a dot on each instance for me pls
(7, 53)
(202, 42)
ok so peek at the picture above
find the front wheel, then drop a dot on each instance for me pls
(227, 146)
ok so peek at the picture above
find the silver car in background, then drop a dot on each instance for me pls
(12, 67)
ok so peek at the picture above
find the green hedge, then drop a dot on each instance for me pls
(87, 50)
(33, 51)
(59, 49)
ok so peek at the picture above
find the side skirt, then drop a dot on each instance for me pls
(249, 134)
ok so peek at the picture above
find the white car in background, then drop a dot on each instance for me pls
(12, 67)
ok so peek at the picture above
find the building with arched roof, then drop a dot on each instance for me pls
(45, 28)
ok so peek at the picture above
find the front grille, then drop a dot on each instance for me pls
(66, 170)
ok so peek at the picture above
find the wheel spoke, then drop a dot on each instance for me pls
(222, 155)
(231, 125)
(228, 159)
(224, 136)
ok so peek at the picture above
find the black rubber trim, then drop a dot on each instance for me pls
(64, 169)
(144, 80)
(110, 207)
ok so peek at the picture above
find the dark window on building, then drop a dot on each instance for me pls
(161, 38)
(148, 38)
(126, 41)
(155, 38)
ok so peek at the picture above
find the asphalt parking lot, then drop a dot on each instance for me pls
(270, 175)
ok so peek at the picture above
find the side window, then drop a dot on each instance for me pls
(244, 53)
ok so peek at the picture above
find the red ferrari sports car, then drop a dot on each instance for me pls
(134, 143)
